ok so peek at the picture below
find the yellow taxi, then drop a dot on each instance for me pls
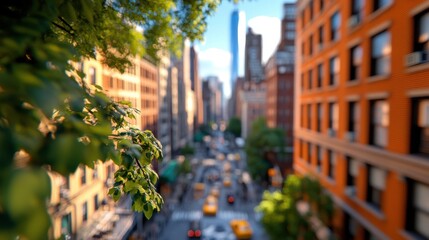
(227, 181)
(241, 229)
(210, 206)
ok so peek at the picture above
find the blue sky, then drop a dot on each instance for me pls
(264, 18)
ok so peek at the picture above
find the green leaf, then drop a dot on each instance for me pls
(27, 189)
(148, 212)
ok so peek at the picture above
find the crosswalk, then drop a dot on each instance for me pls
(197, 214)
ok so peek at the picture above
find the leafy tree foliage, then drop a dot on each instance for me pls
(51, 120)
(262, 141)
(234, 126)
(281, 216)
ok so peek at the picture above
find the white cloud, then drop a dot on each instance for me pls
(270, 29)
(216, 62)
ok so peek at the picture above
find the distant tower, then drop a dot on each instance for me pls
(238, 29)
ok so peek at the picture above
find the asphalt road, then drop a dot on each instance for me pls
(214, 227)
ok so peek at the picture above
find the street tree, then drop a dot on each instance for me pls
(263, 146)
(301, 210)
(234, 126)
(50, 119)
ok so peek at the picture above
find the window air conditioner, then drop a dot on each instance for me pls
(350, 136)
(413, 59)
(331, 132)
(350, 190)
(353, 21)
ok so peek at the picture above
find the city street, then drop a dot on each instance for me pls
(190, 208)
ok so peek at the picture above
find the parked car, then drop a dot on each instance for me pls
(194, 231)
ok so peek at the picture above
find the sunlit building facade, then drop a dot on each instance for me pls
(279, 78)
(361, 112)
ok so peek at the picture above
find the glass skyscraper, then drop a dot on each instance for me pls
(237, 30)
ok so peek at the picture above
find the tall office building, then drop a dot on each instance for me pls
(253, 95)
(238, 32)
(253, 69)
(237, 41)
(362, 112)
(196, 88)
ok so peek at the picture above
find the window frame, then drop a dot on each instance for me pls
(412, 210)
(381, 125)
(334, 68)
(379, 58)
(335, 28)
(355, 63)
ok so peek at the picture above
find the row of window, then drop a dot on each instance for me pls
(356, 10)
(379, 61)
(380, 49)
(375, 184)
(378, 122)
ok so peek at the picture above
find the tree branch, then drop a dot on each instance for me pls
(62, 28)
(66, 23)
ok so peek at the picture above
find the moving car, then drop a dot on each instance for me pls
(230, 198)
(227, 181)
(241, 228)
(194, 231)
(210, 206)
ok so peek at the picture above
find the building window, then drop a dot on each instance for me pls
(321, 4)
(310, 79)
(378, 4)
(302, 82)
(301, 149)
(92, 75)
(290, 26)
(333, 119)
(309, 117)
(356, 12)
(85, 212)
(380, 54)
(309, 146)
(331, 164)
(303, 18)
(302, 115)
(420, 126)
(376, 181)
(311, 6)
(289, 11)
(353, 121)
(334, 70)
(379, 123)
(319, 75)
(96, 202)
(303, 49)
(321, 36)
(355, 63)
(319, 157)
(319, 117)
(83, 175)
(421, 39)
(310, 42)
(95, 172)
(417, 221)
(335, 26)
(351, 227)
(290, 35)
(352, 173)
